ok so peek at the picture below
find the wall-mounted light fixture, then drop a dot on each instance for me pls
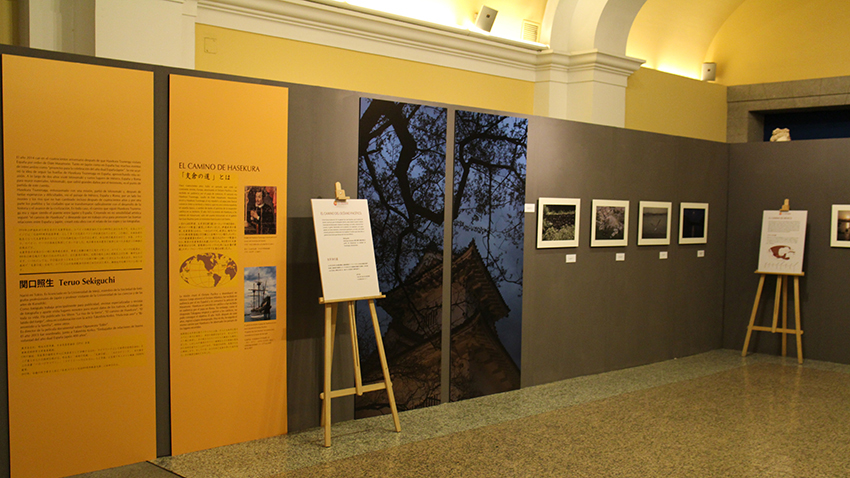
(709, 71)
(485, 18)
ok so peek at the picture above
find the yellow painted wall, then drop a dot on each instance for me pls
(261, 56)
(8, 22)
(664, 103)
(783, 40)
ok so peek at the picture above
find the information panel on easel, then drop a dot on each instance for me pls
(783, 239)
(349, 273)
(346, 254)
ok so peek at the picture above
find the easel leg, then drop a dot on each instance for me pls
(330, 359)
(330, 329)
(784, 316)
(384, 365)
(753, 317)
(334, 310)
(355, 349)
(776, 302)
(797, 316)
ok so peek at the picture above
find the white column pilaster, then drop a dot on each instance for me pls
(160, 32)
(585, 86)
(58, 25)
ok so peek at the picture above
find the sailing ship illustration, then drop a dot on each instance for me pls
(261, 302)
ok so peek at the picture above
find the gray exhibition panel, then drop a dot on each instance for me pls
(596, 314)
(813, 175)
(323, 126)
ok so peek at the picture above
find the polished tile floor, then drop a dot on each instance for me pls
(713, 414)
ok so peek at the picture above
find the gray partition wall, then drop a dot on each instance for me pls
(597, 314)
(323, 127)
(592, 316)
(813, 175)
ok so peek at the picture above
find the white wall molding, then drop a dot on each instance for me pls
(582, 85)
(353, 30)
(357, 30)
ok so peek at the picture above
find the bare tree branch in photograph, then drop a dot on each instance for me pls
(401, 171)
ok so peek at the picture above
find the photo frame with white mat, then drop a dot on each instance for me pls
(610, 223)
(654, 223)
(693, 223)
(840, 226)
(558, 221)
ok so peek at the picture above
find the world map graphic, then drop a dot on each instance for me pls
(209, 269)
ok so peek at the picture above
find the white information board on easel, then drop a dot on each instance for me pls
(346, 254)
(783, 238)
(349, 273)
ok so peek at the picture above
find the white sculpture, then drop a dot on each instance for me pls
(780, 134)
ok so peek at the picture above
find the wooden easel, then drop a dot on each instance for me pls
(781, 288)
(330, 333)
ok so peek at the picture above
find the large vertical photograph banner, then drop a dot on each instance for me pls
(227, 261)
(487, 235)
(401, 170)
(78, 179)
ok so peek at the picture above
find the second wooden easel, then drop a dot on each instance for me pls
(781, 291)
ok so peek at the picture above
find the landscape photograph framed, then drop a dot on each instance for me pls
(693, 223)
(840, 225)
(654, 223)
(558, 221)
(610, 223)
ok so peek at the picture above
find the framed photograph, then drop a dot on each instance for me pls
(610, 223)
(693, 223)
(840, 225)
(654, 223)
(558, 222)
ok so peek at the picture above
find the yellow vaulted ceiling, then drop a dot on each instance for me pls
(752, 41)
(674, 35)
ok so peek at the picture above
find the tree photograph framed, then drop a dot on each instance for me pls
(610, 223)
(840, 226)
(654, 223)
(558, 221)
(693, 223)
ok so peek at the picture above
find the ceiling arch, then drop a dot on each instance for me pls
(585, 25)
(674, 36)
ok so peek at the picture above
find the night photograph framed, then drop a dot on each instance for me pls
(654, 223)
(693, 223)
(558, 221)
(840, 225)
(610, 226)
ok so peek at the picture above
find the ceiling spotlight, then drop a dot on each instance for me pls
(485, 18)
